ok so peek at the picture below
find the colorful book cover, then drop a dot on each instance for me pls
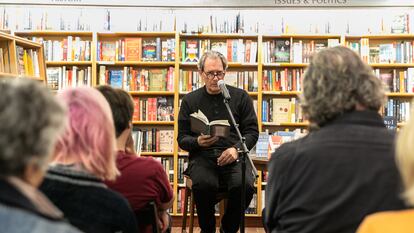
(191, 51)
(133, 49)
(108, 50)
(149, 50)
(115, 79)
(281, 51)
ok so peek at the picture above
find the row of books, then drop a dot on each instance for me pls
(399, 109)
(59, 78)
(294, 51)
(235, 50)
(168, 164)
(281, 110)
(397, 80)
(153, 140)
(67, 49)
(282, 79)
(4, 60)
(153, 109)
(234, 24)
(252, 208)
(397, 51)
(138, 79)
(267, 142)
(182, 166)
(27, 62)
(136, 49)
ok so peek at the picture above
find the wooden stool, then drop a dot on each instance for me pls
(221, 197)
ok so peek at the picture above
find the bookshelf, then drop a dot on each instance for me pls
(68, 55)
(21, 58)
(391, 56)
(261, 76)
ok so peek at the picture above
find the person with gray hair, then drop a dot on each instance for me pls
(344, 169)
(30, 121)
(213, 162)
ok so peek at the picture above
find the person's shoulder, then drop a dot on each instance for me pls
(288, 149)
(284, 155)
(194, 93)
(18, 220)
(236, 90)
(146, 166)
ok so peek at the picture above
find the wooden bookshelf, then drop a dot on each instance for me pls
(70, 60)
(178, 66)
(21, 58)
(392, 58)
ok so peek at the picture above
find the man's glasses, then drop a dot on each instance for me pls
(213, 74)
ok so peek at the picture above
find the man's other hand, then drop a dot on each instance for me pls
(228, 156)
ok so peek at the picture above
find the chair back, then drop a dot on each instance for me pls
(148, 216)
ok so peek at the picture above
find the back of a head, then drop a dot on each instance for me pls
(335, 82)
(31, 119)
(89, 138)
(121, 105)
(405, 157)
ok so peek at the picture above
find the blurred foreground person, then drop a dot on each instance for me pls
(31, 119)
(84, 157)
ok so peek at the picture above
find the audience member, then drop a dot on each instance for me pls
(344, 169)
(143, 179)
(84, 157)
(398, 221)
(30, 121)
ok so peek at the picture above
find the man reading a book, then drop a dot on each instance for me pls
(213, 160)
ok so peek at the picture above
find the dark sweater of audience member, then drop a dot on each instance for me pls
(86, 201)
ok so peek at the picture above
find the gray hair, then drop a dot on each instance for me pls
(30, 120)
(335, 82)
(213, 55)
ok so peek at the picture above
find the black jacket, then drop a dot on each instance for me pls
(332, 178)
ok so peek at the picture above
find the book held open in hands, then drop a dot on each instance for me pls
(200, 124)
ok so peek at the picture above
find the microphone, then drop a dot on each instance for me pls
(224, 90)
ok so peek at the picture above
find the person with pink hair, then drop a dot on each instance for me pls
(84, 157)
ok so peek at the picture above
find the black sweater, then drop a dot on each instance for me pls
(214, 109)
(329, 180)
(87, 203)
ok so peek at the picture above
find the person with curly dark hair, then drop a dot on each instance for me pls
(344, 169)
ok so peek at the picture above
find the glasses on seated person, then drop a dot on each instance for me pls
(213, 74)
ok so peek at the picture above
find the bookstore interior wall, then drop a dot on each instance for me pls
(152, 53)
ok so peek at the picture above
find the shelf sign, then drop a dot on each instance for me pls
(215, 3)
(390, 122)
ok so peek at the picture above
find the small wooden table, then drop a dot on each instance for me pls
(260, 163)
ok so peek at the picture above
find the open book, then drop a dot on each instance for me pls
(200, 124)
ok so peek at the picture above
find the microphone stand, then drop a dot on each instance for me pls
(243, 154)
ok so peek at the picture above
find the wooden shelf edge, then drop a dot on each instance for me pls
(54, 33)
(157, 154)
